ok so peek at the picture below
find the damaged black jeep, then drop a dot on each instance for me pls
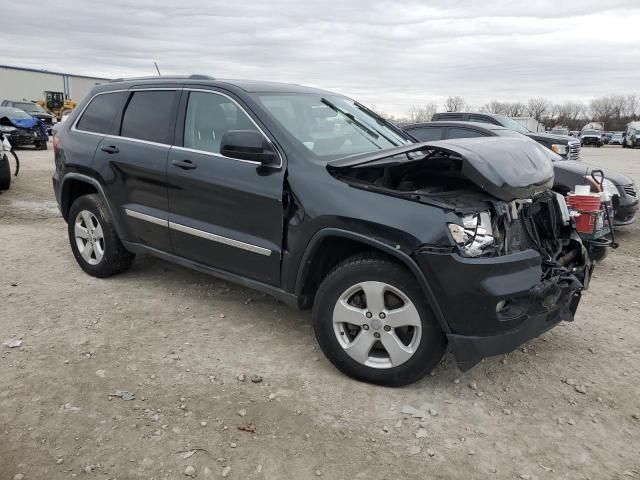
(401, 249)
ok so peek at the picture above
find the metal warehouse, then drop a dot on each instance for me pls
(18, 83)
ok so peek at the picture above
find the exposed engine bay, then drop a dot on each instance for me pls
(488, 226)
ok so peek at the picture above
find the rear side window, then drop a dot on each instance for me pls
(456, 132)
(482, 119)
(148, 115)
(427, 134)
(99, 115)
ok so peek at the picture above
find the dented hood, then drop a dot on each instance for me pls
(505, 167)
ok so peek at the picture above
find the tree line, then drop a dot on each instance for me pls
(614, 111)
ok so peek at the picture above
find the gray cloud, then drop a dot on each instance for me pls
(388, 53)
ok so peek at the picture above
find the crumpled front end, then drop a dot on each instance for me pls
(517, 270)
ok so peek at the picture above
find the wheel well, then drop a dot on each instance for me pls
(327, 254)
(73, 189)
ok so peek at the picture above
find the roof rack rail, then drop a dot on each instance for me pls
(194, 76)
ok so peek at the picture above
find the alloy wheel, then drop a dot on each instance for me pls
(377, 325)
(89, 237)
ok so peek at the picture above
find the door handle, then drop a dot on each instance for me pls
(184, 164)
(111, 149)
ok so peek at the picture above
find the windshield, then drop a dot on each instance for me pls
(331, 126)
(590, 132)
(511, 124)
(13, 113)
(28, 107)
(560, 131)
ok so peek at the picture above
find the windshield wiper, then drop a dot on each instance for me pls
(382, 121)
(350, 116)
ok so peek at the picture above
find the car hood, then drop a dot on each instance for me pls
(20, 122)
(590, 135)
(41, 115)
(505, 167)
(582, 169)
(550, 137)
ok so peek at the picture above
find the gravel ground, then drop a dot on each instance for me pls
(565, 406)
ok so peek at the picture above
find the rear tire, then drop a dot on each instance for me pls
(5, 173)
(374, 324)
(94, 240)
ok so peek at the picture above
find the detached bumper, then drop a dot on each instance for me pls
(493, 305)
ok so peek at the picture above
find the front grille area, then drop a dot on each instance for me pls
(574, 151)
(630, 190)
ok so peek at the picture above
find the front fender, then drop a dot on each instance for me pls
(392, 250)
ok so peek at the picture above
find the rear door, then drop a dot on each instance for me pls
(133, 165)
(225, 213)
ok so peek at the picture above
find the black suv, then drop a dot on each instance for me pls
(400, 248)
(566, 146)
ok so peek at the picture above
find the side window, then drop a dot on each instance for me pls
(481, 119)
(427, 134)
(209, 116)
(148, 115)
(457, 132)
(99, 115)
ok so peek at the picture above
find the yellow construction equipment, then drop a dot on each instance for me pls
(56, 104)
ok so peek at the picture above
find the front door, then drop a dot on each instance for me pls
(224, 213)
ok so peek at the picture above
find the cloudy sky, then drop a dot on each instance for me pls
(390, 54)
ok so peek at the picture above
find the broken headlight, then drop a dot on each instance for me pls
(474, 236)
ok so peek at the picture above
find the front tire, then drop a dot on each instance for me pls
(94, 240)
(5, 173)
(373, 323)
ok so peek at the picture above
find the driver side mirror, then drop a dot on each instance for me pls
(248, 145)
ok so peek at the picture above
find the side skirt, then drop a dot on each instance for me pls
(288, 298)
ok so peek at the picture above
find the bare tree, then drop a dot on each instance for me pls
(421, 113)
(568, 114)
(454, 104)
(516, 109)
(632, 105)
(538, 108)
(494, 106)
(602, 109)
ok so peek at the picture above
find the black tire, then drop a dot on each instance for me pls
(598, 253)
(5, 173)
(115, 258)
(365, 268)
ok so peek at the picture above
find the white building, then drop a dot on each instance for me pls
(18, 83)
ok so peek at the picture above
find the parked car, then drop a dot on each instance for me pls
(616, 139)
(568, 173)
(631, 137)
(565, 146)
(32, 109)
(399, 248)
(22, 129)
(591, 137)
(606, 137)
(560, 131)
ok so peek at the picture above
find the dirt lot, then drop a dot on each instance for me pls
(566, 405)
